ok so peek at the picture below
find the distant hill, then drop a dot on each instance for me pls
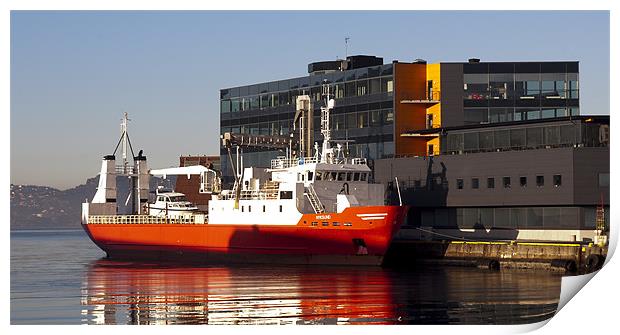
(42, 207)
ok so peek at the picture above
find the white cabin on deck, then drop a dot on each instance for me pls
(172, 205)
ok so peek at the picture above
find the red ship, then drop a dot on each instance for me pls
(321, 209)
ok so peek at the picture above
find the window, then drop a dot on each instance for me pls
(459, 184)
(375, 118)
(557, 180)
(603, 179)
(523, 181)
(264, 208)
(285, 195)
(314, 223)
(540, 181)
(280, 208)
(363, 177)
(242, 208)
(475, 183)
(476, 86)
(310, 175)
(362, 119)
(356, 176)
(336, 224)
(350, 89)
(431, 149)
(490, 182)
(325, 224)
(225, 106)
(249, 208)
(387, 85)
(506, 182)
(362, 87)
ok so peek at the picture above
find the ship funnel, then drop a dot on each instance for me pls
(106, 191)
(143, 179)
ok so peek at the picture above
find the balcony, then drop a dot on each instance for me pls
(430, 98)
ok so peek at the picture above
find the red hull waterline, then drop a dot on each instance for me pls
(357, 236)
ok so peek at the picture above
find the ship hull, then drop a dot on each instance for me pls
(315, 239)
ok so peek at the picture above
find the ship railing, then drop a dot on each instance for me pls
(142, 219)
(359, 161)
(261, 194)
(283, 163)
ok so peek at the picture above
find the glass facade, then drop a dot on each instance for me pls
(502, 92)
(363, 113)
(521, 137)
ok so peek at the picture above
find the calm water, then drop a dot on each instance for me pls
(60, 277)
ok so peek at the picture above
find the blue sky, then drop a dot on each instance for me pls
(73, 74)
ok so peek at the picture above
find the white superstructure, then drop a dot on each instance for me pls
(327, 182)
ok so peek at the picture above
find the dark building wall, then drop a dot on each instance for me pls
(451, 95)
(441, 189)
(588, 165)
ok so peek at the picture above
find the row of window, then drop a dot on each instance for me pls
(355, 120)
(534, 137)
(507, 114)
(505, 86)
(341, 176)
(285, 98)
(512, 217)
(309, 81)
(507, 182)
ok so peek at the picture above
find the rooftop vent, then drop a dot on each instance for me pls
(352, 62)
(419, 61)
(326, 66)
(474, 60)
(360, 61)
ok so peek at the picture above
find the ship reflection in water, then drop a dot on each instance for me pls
(128, 293)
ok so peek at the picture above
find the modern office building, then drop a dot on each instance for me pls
(376, 102)
(496, 149)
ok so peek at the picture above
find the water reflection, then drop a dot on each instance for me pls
(130, 293)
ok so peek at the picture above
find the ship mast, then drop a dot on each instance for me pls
(125, 143)
(326, 149)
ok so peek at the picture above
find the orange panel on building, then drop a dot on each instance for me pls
(409, 84)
